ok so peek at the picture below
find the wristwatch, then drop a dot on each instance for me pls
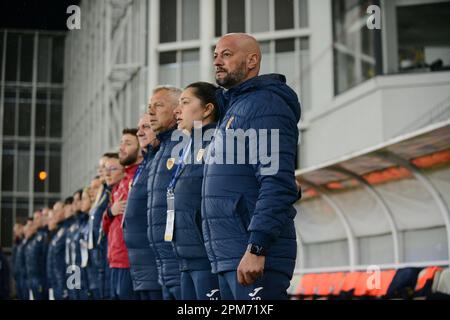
(256, 249)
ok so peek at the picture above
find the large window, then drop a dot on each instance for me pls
(289, 57)
(356, 47)
(179, 67)
(12, 49)
(23, 167)
(20, 183)
(179, 20)
(424, 37)
(8, 167)
(6, 220)
(259, 15)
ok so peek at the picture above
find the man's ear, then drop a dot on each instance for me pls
(252, 60)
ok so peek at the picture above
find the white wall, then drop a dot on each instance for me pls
(373, 112)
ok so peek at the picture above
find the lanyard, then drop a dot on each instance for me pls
(139, 171)
(180, 166)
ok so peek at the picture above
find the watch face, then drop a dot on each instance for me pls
(257, 250)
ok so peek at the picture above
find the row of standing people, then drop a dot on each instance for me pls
(54, 256)
(177, 225)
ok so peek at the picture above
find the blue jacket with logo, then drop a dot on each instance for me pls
(188, 238)
(49, 262)
(36, 257)
(21, 265)
(97, 241)
(142, 258)
(57, 248)
(73, 224)
(79, 247)
(252, 201)
(160, 174)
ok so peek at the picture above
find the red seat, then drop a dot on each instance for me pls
(307, 285)
(386, 277)
(335, 281)
(424, 276)
(350, 280)
(323, 284)
(361, 285)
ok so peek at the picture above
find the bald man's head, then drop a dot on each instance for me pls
(237, 58)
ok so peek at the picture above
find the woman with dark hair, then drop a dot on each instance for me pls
(196, 115)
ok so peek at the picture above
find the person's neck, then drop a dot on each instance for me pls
(165, 129)
(207, 122)
(248, 77)
(138, 161)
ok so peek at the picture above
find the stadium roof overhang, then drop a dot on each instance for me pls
(400, 158)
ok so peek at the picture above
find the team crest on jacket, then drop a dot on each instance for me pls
(170, 162)
(230, 121)
(200, 154)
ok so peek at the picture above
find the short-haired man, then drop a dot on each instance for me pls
(36, 257)
(129, 160)
(142, 258)
(57, 248)
(162, 120)
(98, 268)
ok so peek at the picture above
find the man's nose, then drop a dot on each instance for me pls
(151, 110)
(218, 61)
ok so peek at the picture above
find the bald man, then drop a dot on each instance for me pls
(247, 208)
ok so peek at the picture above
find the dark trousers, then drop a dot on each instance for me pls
(121, 284)
(105, 281)
(58, 293)
(149, 294)
(199, 285)
(95, 294)
(171, 293)
(272, 286)
(38, 290)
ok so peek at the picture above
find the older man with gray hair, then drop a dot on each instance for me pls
(163, 123)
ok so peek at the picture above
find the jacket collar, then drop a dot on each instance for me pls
(165, 135)
(253, 83)
(130, 170)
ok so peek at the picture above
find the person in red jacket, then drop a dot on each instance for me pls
(119, 175)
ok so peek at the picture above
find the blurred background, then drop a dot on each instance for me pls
(374, 150)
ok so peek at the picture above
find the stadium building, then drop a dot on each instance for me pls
(374, 153)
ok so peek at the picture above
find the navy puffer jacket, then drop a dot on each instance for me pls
(142, 258)
(188, 238)
(36, 257)
(252, 202)
(159, 177)
(97, 241)
(58, 261)
(51, 282)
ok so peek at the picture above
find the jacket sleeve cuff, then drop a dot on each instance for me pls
(260, 239)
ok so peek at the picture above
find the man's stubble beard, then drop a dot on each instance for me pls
(233, 78)
(131, 159)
